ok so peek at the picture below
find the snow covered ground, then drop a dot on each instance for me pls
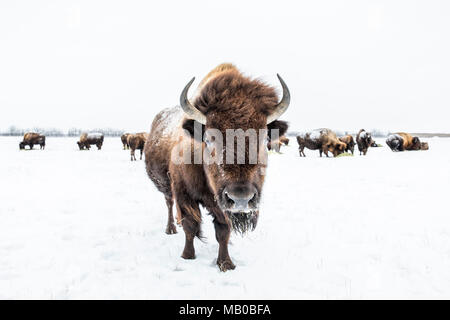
(90, 224)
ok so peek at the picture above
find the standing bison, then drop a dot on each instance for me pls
(402, 141)
(350, 143)
(276, 144)
(32, 138)
(88, 139)
(124, 139)
(230, 192)
(323, 140)
(136, 142)
(364, 141)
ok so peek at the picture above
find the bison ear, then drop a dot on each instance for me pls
(190, 126)
(282, 127)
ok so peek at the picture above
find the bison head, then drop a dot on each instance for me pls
(424, 146)
(80, 145)
(22, 146)
(236, 108)
(416, 145)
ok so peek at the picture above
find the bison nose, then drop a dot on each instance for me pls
(240, 197)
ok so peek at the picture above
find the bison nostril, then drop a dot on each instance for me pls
(228, 200)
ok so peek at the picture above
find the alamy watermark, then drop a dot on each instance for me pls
(237, 147)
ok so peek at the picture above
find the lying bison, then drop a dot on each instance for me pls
(364, 141)
(32, 138)
(230, 192)
(350, 143)
(323, 140)
(124, 139)
(136, 142)
(402, 141)
(88, 139)
(276, 144)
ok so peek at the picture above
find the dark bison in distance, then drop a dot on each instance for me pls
(402, 141)
(32, 138)
(350, 143)
(364, 141)
(323, 140)
(231, 193)
(136, 142)
(88, 139)
(124, 139)
(276, 144)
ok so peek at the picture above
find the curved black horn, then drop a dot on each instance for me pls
(283, 104)
(190, 110)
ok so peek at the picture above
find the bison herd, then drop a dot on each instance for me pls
(326, 140)
(230, 192)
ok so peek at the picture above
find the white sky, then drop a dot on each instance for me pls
(348, 64)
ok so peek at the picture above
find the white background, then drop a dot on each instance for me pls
(349, 64)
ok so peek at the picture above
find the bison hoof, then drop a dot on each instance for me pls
(171, 229)
(188, 255)
(226, 265)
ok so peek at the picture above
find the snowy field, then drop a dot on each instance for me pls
(90, 224)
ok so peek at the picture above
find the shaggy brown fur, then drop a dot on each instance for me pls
(229, 101)
(364, 141)
(124, 140)
(32, 138)
(325, 141)
(402, 141)
(86, 140)
(410, 142)
(331, 143)
(348, 140)
(136, 142)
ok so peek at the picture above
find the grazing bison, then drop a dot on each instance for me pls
(88, 139)
(348, 140)
(230, 192)
(276, 144)
(136, 142)
(32, 138)
(364, 141)
(124, 139)
(323, 140)
(402, 141)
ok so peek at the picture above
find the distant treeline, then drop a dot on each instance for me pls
(55, 132)
(340, 133)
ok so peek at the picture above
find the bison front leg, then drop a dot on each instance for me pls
(223, 236)
(190, 220)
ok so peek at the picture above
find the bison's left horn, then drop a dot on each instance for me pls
(283, 104)
(190, 110)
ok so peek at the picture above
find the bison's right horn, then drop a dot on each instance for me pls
(282, 106)
(190, 110)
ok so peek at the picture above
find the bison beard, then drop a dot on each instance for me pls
(243, 222)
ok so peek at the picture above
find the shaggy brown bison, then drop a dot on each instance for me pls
(32, 138)
(88, 139)
(226, 102)
(364, 141)
(323, 140)
(124, 140)
(136, 142)
(350, 143)
(402, 141)
(276, 144)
